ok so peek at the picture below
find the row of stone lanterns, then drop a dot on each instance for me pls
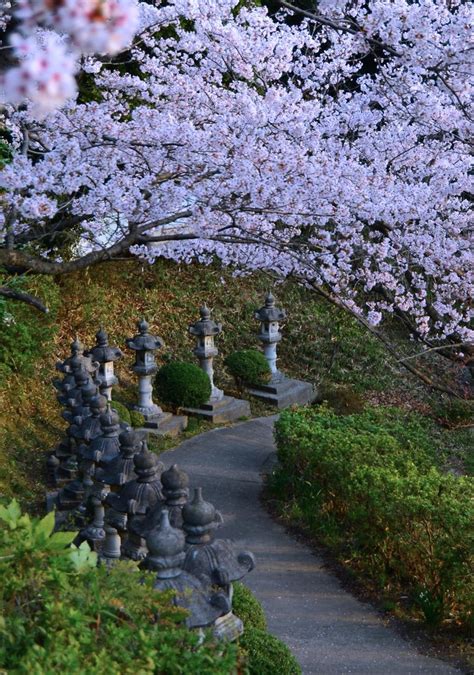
(280, 391)
(128, 507)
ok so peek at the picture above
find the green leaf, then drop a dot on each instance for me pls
(45, 527)
(11, 514)
(61, 540)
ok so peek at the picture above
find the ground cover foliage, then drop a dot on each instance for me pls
(371, 486)
(60, 612)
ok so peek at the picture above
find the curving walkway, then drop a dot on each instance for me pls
(328, 630)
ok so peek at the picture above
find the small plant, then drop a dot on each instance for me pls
(136, 418)
(267, 655)
(246, 606)
(182, 385)
(343, 400)
(248, 366)
(122, 411)
(455, 413)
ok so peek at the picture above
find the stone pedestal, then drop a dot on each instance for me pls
(284, 393)
(165, 424)
(226, 409)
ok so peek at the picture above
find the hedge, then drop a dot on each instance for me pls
(369, 485)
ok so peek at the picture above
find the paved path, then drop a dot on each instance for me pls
(328, 630)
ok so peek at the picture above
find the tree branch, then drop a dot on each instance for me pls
(12, 294)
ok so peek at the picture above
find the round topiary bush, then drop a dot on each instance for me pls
(267, 655)
(248, 366)
(182, 385)
(246, 606)
(122, 411)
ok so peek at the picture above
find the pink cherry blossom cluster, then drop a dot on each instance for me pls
(51, 36)
(272, 147)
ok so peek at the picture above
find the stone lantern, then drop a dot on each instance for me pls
(166, 555)
(144, 345)
(270, 318)
(207, 557)
(219, 408)
(136, 497)
(105, 356)
(205, 330)
(281, 391)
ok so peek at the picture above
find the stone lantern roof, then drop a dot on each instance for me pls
(269, 312)
(205, 327)
(103, 352)
(144, 341)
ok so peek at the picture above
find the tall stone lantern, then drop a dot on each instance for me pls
(105, 356)
(219, 408)
(281, 391)
(144, 345)
(205, 330)
(270, 317)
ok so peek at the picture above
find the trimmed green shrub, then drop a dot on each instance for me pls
(182, 385)
(267, 655)
(248, 366)
(246, 606)
(62, 613)
(369, 485)
(122, 411)
(136, 418)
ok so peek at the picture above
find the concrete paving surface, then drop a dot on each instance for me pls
(328, 630)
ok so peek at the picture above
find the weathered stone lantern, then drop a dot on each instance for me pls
(105, 356)
(166, 555)
(206, 557)
(270, 317)
(115, 474)
(205, 330)
(281, 391)
(218, 408)
(144, 345)
(136, 497)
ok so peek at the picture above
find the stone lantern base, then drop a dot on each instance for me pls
(227, 409)
(284, 393)
(165, 424)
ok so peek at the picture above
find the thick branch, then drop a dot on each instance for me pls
(12, 294)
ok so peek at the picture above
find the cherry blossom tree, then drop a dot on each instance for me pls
(332, 145)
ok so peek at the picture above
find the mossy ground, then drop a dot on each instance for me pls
(321, 344)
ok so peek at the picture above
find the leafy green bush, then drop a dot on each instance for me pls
(246, 606)
(267, 655)
(60, 613)
(122, 411)
(369, 485)
(182, 385)
(248, 366)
